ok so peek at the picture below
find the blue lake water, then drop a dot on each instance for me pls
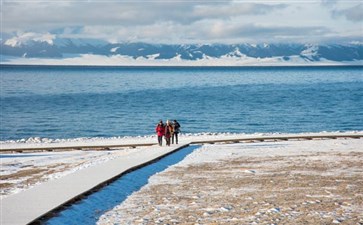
(70, 102)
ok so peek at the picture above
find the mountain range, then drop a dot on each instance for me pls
(74, 51)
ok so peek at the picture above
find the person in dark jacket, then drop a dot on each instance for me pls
(176, 129)
(160, 131)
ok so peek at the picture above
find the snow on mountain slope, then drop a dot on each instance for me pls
(121, 60)
(28, 38)
(32, 48)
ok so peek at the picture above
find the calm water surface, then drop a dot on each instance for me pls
(70, 102)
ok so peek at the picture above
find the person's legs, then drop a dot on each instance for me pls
(176, 138)
(172, 138)
(160, 140)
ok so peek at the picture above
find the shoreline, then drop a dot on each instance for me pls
(37, 142)
(60, 142)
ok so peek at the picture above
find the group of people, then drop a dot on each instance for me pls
(170, 130)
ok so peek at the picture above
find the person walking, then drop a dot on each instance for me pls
(160, 131)
(168, 132)
(176, 130)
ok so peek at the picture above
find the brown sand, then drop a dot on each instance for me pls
(315, 188)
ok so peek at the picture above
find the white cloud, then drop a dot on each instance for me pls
(75, 13)
(354, 13)
(329, 3)
(184, 21)
(234, 9)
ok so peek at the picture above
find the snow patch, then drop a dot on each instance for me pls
(114, 49)
(25, 38)
(310, 52)
(153, 56)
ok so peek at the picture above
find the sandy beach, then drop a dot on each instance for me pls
(285, 182)
(294, 182)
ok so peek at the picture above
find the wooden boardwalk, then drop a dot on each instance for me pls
(31, 205)
(279, 138)
(226, 141)
(75, 147)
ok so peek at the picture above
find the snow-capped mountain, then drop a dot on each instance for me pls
(34, 47)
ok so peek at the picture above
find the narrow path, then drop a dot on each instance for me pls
(29, 205)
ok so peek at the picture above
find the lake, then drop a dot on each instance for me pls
(71, 102)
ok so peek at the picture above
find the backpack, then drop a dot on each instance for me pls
(176, 127)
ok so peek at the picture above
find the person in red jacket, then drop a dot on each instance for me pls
(160, 131)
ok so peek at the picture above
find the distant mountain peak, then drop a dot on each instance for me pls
(31, 45)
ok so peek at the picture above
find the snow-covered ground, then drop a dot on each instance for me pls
(20, 171)
(293, 182)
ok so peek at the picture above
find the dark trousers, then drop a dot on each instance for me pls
(176, 138)
(167, 139)
(160, 140)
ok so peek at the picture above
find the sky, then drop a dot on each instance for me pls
(186, 22)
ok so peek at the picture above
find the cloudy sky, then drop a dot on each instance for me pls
(173, 21)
